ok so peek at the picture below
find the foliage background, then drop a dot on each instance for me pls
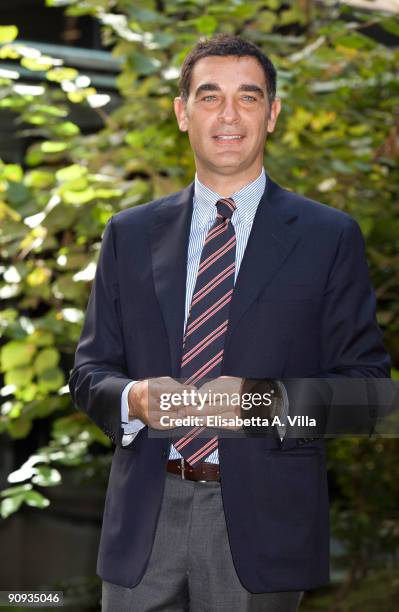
(336, 142)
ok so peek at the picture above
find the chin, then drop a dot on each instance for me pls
(226, 169)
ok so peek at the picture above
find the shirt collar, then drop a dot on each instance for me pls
(246, 201)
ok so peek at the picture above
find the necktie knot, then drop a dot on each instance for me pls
(225, 208)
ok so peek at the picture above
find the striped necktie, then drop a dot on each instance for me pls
(205, 333)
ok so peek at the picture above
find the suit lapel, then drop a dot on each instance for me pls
(271, 241)
(169, 242)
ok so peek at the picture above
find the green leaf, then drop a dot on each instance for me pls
(39, 179)
(53, 111)
(40, 408)
(15, 490)
(206, 24)
(78, 197)
(36, 119)
(46, 359)
(70, 425)
(27, 393)
(16, 353)
(19, 428)
(41, 337)
(36, 499)
(108, 194)
(58, 75)
(354, 40)
(292, 15)
(17, 193)
(67, 128)
(391, 25)
(12, 172)
(60, 218)
(134, 139)
(78, 96)
(51, 380)
(245, 11)
(12, 409)
(39, 276)
(79, 184)
(36, 64)
(8, 34)
(8, 316)
(46, 476)
(10, 505)
(53, 146)
(267, 21)
(34, 156)
(162, 40)
(143, 64)
(70, 173)
(19, 376)
(9, 52)
(143, 14)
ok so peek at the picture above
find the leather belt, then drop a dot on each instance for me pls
(204, 472)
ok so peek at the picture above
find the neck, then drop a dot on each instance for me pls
(226, 185)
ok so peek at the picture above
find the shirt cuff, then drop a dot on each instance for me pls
(129, 426)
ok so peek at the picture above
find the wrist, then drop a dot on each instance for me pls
(132, 400)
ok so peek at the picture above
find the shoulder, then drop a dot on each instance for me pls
(311, 213)
(141, 213)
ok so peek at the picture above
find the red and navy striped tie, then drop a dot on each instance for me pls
(203, 343)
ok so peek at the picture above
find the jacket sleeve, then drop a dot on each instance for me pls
(351, 340)
(344, 396)
(99, 374)
(352, 346)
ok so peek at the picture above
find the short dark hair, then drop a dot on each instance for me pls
(226, 45)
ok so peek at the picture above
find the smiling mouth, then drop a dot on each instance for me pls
(228, 137)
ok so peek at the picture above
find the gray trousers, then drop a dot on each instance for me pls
(190, 568)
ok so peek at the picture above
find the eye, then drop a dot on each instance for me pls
(249, 98)
(209, 98)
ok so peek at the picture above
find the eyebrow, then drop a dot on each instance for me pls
(215, 87)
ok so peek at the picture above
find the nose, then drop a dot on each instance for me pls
(229, 112)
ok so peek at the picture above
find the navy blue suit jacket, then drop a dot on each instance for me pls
(302, 307)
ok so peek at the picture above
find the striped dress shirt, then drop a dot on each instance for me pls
(204, 215)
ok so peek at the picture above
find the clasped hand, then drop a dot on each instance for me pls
(151, 399)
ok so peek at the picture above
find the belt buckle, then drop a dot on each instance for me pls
(202, 481)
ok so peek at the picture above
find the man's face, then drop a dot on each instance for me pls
(227, 115)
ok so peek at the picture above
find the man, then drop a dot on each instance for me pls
(232, 277)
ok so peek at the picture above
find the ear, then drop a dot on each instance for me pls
(273, 115)
(181, 114)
